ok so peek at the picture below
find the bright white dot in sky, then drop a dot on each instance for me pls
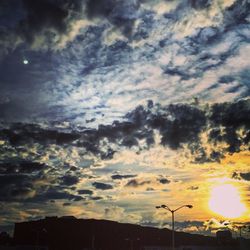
(25, 61)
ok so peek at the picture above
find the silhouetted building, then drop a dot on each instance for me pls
(156, 248)
(23, 247)
(233, 247)
(5, 239)
(224, 237)
(69, 233)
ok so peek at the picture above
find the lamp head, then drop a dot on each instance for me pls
(189, 206)
(161, 206)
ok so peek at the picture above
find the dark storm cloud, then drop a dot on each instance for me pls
(85, 191)
(241, 176)
(237, 13)
(120, 177)
(95, 198)
(17, 178)
(124, 133)
(122, 14)
(69, 180)
(177, 124)
(184, 125)
(102, 186)
(245, 176)
(66, 204)
(54, 193)
(200, 4)
(23, 167)
(21, 191)
(18, 134)
(42, 15)
(42, 21)
(231, 114)
(201, 156)
(181, 124)
(232, 117)
(16, 186)
(136, 183)
(41, 24)
(163, 180)
(18, 182)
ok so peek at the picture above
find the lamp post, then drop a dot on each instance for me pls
(172, 212)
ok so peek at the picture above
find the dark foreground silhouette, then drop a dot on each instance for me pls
(69, 233)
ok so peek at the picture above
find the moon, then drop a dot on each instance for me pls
(25, 61)
(225, 200)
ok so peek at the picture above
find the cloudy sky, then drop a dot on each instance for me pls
(111, 107)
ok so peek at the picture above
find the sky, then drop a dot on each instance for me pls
(109, 108)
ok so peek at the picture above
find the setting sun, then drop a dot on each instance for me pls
(225, 200)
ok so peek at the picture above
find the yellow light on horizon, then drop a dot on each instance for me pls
(225, 201)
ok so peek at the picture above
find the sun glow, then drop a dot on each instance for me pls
(225, 200)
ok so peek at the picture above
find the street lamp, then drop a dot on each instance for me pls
(172, 212)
